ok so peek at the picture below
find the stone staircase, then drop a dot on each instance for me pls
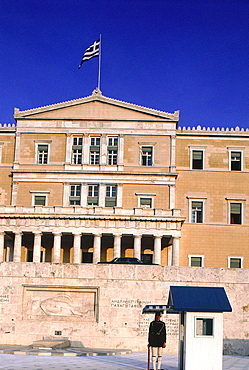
(52, 343)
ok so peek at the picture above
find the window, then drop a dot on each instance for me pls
(95, 150)
(235, 262)
(111, 196)
(204, 326)
(93, 195)
(196, 261)
(112, 141)
(197, 159)
(145, 202)
(75, 193)
(40, 200)
(95, 141)
(146, 155)
(112, 150)
(235, 213)
(197, 212)
(236, 160)
(42, 153)
(77, 150)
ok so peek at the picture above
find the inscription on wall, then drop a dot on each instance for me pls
(128, 303)
(171, 321)
(144, 320)
(4, 298)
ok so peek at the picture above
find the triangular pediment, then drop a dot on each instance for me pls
(96, 107)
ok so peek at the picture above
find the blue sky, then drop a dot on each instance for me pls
(187, 55)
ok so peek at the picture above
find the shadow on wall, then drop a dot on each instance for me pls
(239, 347)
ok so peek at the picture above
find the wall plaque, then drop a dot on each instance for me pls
(60, 303)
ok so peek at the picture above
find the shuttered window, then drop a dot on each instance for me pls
(111, 196)
(235, 213)
(197, 159)
(197, 212)
(40, 200)
(235, 161)
(146, 202)
(146, 155)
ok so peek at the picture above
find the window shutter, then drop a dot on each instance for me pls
(235, 155)
(109, 148)
(197, 154)
(40, 200)
(145, 202)
(74, 198)
(92, 200)
(110, 201)
(94, 148)
(235, 208)
(43, 148)
(77, 147)
(197, 205)
(147, 149)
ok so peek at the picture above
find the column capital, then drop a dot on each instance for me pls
(37, 232)
(57, 233)
(137, 236)
(18, 232)
(77, 234)
(117, 235)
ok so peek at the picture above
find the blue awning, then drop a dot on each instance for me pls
(153, 308)
(198, 299)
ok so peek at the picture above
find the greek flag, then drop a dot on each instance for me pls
(91, 52)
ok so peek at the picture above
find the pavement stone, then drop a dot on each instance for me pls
(21, 358)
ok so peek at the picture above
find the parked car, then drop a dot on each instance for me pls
(127, 260)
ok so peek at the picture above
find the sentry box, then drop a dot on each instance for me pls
(201, 324)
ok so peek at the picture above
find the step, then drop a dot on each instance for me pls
(51, 343)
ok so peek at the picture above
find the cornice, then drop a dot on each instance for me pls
(96, 96)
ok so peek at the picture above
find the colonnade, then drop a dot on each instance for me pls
(77, 251)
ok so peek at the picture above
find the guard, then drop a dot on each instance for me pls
(157, 340)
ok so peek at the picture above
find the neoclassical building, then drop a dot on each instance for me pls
(91, 179)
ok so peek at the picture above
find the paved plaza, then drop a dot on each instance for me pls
(113, 362)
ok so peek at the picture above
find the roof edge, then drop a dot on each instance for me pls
(96, 96)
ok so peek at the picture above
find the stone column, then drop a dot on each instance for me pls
(172, 153)
(1, 246)
(17, 247)
(103, 150)
(119, 195)
(137, 246)
(17, 151)
(68, 149)
(96, 248)
(157, 250)
(172, 196)
(57, 248)
(175, 251)
(102, 190)
(85, 151)
(37, 247)
(117, 245)
(76, 248)
(14, 193)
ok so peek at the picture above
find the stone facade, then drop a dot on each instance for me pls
(101, 305)
(95, 178)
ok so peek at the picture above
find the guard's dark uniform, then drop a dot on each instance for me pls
(157, 341)
(157, 333)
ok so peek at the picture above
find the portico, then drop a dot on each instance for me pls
(79, 235)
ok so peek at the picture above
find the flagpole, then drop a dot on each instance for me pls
(99, 62)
